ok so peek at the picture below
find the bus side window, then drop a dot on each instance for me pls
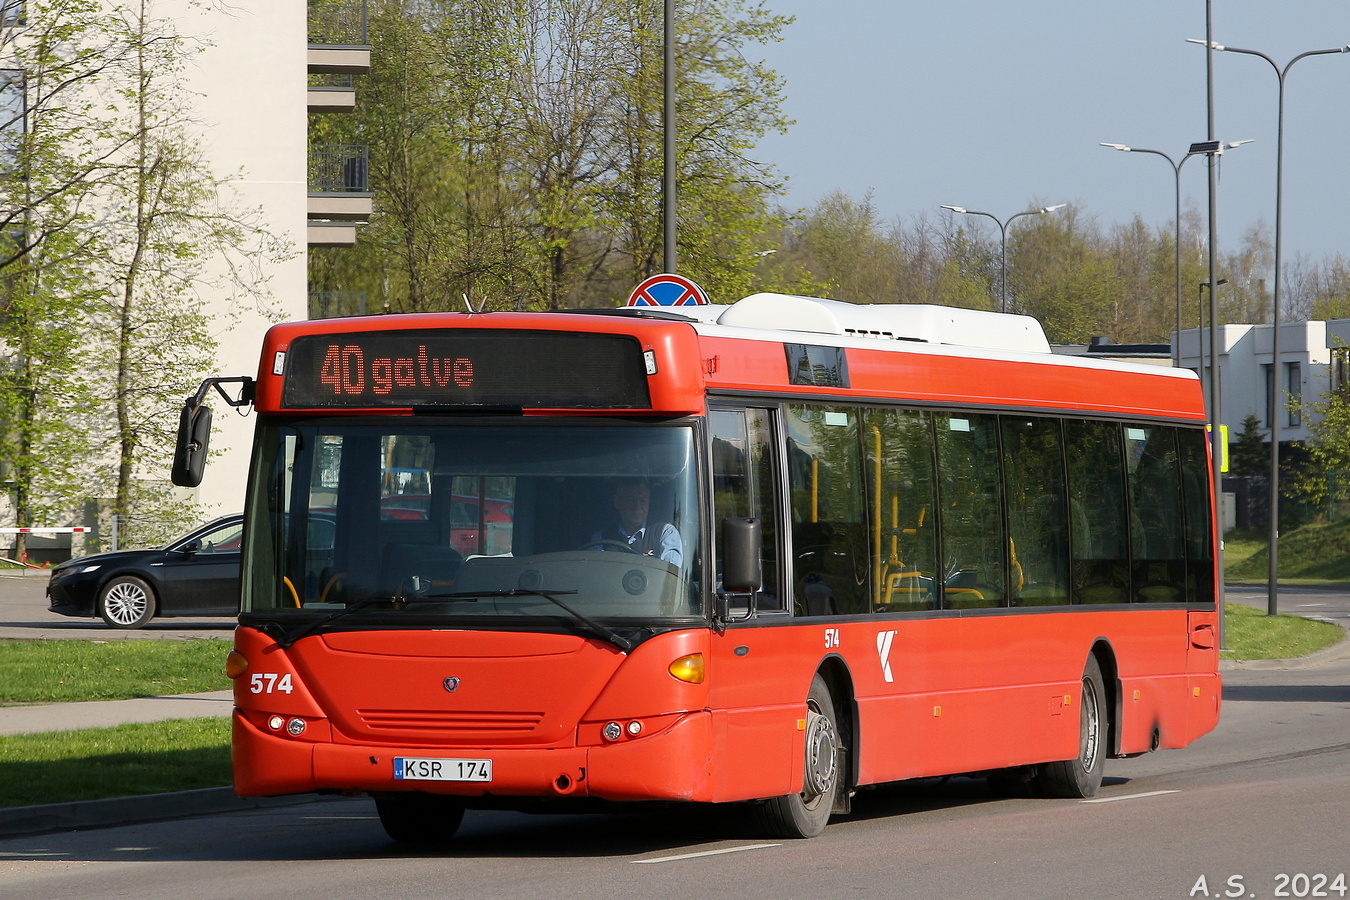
(1038, 511)
(974, 545)
(742, 464)
(901, 505)
(1199, 527)
(1156, 509)
(1100, 564)
(831, 564)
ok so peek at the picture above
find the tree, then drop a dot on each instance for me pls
(1059, 274)
(516, 152)
(1249, 455)
(116, 229)
(56, 149)
(166, 233)
(1324, 478)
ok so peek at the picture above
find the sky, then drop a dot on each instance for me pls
(1000, 106)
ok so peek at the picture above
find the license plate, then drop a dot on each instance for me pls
(413, 769)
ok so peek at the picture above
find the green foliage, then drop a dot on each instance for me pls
(1328, 450)
(516, 152)
(110, 238)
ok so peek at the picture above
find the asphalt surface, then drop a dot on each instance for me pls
(24, 615)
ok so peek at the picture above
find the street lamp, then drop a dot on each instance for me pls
(1272, 599)
(1003, 230)
(1200, 337)
(1176, 171)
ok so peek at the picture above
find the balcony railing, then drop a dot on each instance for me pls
(339, 169)
(338, 22)
(332, 81)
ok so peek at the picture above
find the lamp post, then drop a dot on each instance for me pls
(1003, 231)
(1272, 598)
(1176, 171)
(668, 174)
(1200, 336)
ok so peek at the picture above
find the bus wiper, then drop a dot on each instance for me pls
(286, 641)
(605, 632)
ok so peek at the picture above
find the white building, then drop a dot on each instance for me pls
(263, 57)
(1312, 362)
(265, 66)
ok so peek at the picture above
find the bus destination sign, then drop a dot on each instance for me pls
(465, 367)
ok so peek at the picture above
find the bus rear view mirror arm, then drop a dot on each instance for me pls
(194, 428)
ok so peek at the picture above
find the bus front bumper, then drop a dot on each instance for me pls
(672, 765)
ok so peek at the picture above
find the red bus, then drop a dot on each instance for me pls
(878, 543)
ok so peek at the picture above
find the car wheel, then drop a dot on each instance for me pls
(126, 602)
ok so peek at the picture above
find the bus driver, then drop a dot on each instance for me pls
(632, 500)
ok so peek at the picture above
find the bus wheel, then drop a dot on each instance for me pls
(805, 815)
(126, 602)
(423, 819)
(1081, 777)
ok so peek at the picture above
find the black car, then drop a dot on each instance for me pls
(196, 575)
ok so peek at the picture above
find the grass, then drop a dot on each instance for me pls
(1319, 552)
(48, 671)
(1251, 634)
(57, 767)
(1237, 550)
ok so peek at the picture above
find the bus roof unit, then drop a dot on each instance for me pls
(924, 323)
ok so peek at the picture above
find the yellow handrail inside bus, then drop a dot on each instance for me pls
(878, 566)
(295, 598)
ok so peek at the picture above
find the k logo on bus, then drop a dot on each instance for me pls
(884, 639)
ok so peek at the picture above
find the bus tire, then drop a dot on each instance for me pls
(805, 815)
(1079, 778)
(421, 819)
(126, 602)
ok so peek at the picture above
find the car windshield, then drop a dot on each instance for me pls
(415, 521)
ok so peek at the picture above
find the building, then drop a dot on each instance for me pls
(1312, 362)
(264, 67)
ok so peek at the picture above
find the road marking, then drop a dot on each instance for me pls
(664, 859)
(1130, 797)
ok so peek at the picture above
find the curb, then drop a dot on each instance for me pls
(77, 815)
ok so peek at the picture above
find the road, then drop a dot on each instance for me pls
(24, 615)
(1247, 808)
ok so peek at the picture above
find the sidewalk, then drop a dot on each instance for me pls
(108, 713)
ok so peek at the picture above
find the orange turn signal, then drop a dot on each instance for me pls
(236, 664)
(688, 668)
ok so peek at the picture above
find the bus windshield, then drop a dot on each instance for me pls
(412, 522)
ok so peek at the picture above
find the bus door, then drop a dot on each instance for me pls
(755, 702)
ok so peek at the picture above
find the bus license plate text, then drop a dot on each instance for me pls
(411, 769)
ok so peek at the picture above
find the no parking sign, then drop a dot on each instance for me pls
(668, 290)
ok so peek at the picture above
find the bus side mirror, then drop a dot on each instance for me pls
(194, 437)
(742, 572)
